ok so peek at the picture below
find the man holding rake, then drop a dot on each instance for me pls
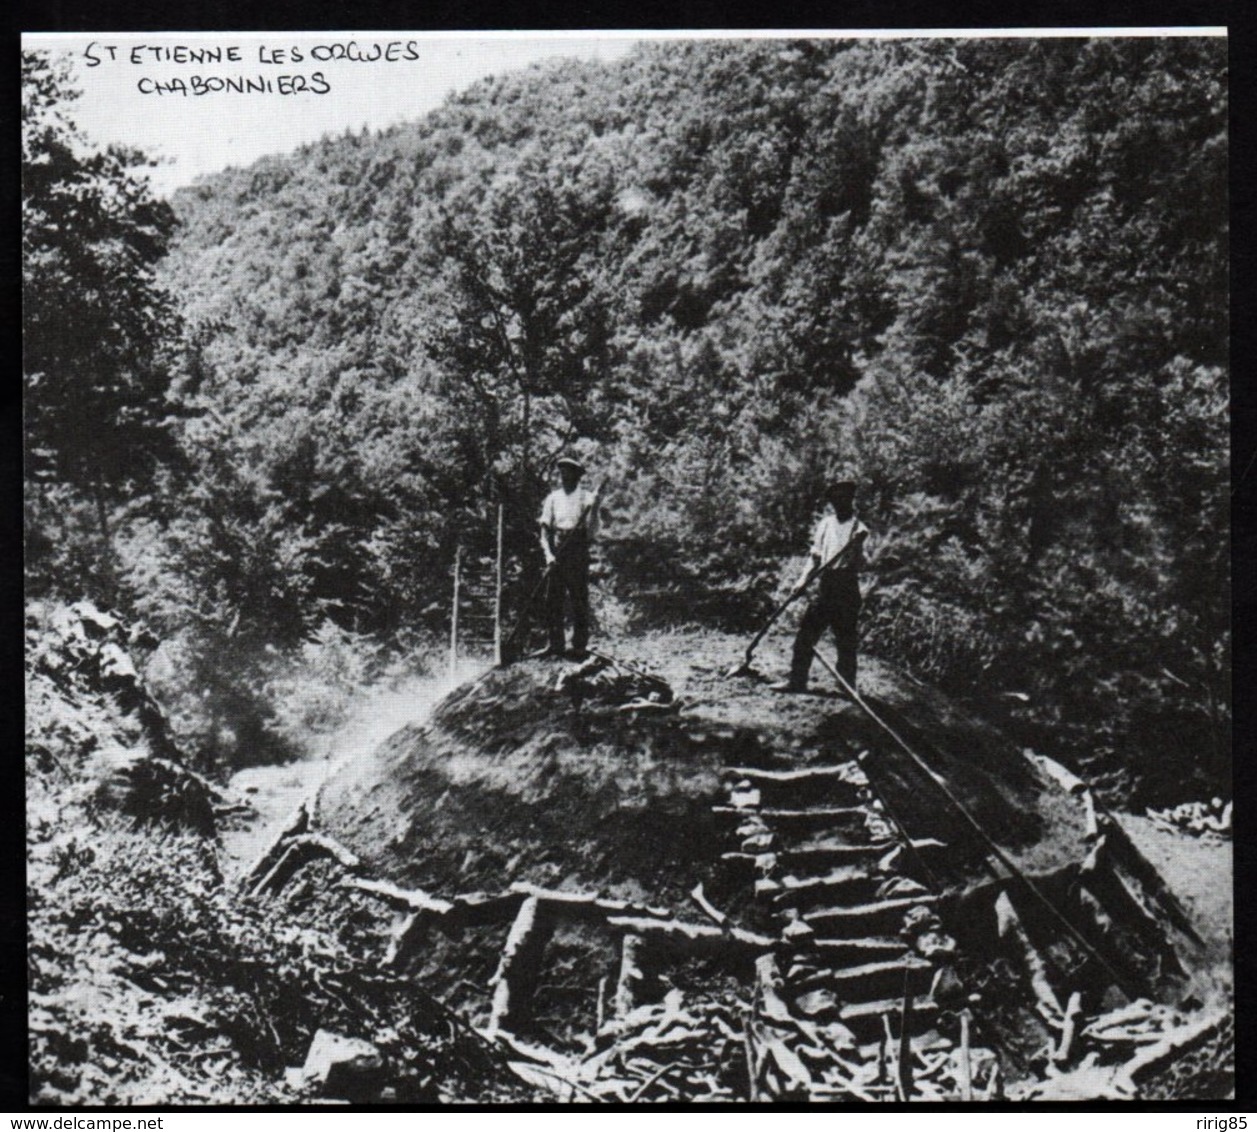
(837, 553)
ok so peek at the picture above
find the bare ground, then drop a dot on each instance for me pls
(1200, 873)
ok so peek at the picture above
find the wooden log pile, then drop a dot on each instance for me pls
(730, 1050)
(1139, 1023)
(616, 685)
(665, 1051)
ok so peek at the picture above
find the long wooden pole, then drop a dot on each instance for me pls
(903, 1069)
(966, 1070)
(497, 597)
(458, 566)
(519, 967)
(1120, 980)
(752, 1069)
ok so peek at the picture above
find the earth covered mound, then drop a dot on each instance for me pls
(750, 819)
(604, 778)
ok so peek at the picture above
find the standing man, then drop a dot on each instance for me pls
(569, 522)
(837, 551)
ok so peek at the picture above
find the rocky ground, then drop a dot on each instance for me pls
(153, 979)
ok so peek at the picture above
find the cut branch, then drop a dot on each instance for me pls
(519, 968)
(708, 909)
(413, 898)
(1154, 1058)
(631, 982)
(299, 822)
(1010, 927)
(1073, 1011)
(297, 851)
(599, 907)
(693, 937)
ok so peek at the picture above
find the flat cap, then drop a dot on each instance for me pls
(570, 462)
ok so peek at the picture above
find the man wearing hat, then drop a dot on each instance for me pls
(569, 521)
(837, 551)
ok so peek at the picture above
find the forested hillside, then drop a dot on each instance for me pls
(986, 279)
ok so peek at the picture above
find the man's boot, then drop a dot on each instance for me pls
(788, 686)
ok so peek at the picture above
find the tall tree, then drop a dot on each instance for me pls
(521, 337)
(99, 332)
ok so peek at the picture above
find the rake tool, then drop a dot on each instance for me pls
(745, 668)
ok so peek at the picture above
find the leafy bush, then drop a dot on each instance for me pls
(152, 979)
(153, 982)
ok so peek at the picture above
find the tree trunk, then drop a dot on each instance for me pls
(108, 570)
(102, 514)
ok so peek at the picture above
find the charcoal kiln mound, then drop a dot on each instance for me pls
(514, 779)
(563, 845)
(575, 778)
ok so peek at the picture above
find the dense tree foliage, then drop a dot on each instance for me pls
(98, 330)
(987, 278)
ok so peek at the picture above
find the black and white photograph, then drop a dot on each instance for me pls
(611, 569)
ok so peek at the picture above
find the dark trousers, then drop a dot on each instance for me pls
(837, 606)
(569, 576)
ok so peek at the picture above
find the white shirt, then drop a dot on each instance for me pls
(562, 512)
(830, 538)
